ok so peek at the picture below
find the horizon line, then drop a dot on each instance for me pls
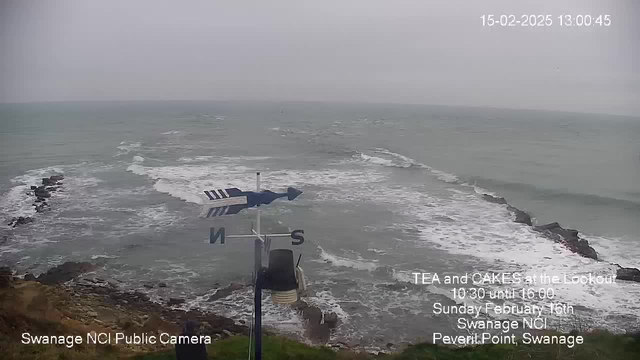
(486, 107)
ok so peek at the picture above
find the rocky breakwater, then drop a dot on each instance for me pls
(41, 194)
(568, 237)
(553, 231)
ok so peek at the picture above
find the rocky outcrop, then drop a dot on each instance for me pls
(65, 272)
(41, 193)
(569, 237)
(48, 181)
(41, 207)
(494, 199)
(331, 319)
(521, 216)
(21, 220)
(175, 302)
(318, 325)
(628, 274)
(226, 291)
(553, 231)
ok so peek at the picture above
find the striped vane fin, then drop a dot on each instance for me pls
(217, 194)
(224, 202)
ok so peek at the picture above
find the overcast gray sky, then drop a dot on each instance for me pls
(391, 51)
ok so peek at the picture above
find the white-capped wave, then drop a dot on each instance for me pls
(376, 160)
(138, 159)
(346, 262)
(393, 159)
(102, 256)
(486, 231)
(127, 147)
(171, 132)
(187, 182)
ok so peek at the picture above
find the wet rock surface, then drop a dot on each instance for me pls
(628, 274)
(65, 272)
(318, 325)
(40, 204)
(21, 220)
(569, 237)
(226, 291)
(553, 231)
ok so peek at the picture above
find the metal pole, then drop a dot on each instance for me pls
(258, 287)
(258, 206)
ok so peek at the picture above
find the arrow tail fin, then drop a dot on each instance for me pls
(293, 193)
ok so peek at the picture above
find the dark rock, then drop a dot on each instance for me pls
(569, 237)
(162, 285)
(331, 319)
(20, 221)
(494, 199)
(175, 301)
(521, 216)
(628, 274)
(42, 207)
(29, 277)
(42, 193)
(56, 177)
(300, 305)
(148, 286)
(226, 291)
(550, 226)
(65, 272)
(47, 182)
(318, 333)
(312, 314)
(33, 187)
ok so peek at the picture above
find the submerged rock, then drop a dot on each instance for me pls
(226, 291)
(21, 220)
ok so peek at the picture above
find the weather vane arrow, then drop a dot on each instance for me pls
(231, 201)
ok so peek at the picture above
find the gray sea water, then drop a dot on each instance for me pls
(388, 190)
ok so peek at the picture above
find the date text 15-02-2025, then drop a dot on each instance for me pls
(564, 20)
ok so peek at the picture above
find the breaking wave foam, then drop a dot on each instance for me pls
(392, 159)
(346, 262)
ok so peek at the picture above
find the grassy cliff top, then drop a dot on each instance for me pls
(27, 306)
